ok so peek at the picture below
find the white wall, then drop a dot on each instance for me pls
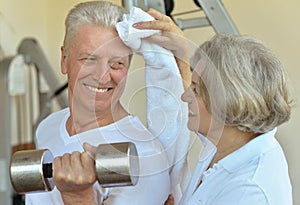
(274, 22)
(19, 19)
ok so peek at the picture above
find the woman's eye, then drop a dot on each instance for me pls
(196, 91)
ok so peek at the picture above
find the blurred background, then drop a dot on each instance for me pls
(41, 22)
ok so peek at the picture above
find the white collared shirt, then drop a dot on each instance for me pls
(255, 174)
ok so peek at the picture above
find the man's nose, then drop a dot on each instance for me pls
(102, 72)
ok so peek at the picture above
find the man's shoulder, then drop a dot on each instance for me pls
(53, 120)
(56, 116)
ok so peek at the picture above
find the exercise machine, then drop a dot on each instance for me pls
(27, 82)
(215, 14)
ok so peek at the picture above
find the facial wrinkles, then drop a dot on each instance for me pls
(99, 57)
(102, 68)
(103, 62)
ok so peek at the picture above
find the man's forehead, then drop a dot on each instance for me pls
(99, 35)
(116, 49)
(98, 56)
(111, 52)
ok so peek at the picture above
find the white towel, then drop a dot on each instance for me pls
(17, 76)
(167, 115)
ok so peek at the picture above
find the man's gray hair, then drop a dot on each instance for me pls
(99, 13)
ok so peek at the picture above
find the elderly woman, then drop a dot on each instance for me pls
(239, 83)
(237, 98)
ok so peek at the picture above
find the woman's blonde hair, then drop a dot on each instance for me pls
(254, 82)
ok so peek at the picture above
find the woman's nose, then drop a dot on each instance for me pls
(187, 95)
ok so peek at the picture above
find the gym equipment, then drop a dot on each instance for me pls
(215, 14)
(21, 108)
(116, 165)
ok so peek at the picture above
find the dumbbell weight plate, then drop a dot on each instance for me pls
(117, 164)
(26, 171)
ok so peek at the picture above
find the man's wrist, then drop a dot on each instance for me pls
(79, 198)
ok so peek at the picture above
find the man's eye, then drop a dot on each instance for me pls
(117, 65)
(88, 59)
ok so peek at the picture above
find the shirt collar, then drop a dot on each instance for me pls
(249, 151)
(209, 149)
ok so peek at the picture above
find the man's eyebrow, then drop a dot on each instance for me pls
(94, 54)
(86, 54)
(120, 54)
(118, 57)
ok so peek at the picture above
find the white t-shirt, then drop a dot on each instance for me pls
(255, 174)
(154, 179)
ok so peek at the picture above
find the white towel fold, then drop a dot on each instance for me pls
(17, 76)
(167, 115)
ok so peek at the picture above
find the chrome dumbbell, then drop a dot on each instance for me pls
(116, 165)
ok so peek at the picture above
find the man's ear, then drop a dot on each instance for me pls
(63, 60)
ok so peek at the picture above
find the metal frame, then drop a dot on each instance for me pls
(33, 55)
(216, 15)
(5, 133)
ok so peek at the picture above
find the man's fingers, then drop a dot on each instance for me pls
(91, 150)
(75, 158)
(56, 167)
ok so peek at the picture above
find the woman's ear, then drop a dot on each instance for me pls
(63, 60)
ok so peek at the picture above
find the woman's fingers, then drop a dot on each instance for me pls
(161, 22)
(159, 16)
(170, 200)
(171, 36)
(155, 25)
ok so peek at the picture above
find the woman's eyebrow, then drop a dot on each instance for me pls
(194, 83)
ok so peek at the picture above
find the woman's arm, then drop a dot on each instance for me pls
(171, 39)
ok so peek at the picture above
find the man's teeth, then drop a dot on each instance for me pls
(97, 90)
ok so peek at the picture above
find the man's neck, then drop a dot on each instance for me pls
(82, 121)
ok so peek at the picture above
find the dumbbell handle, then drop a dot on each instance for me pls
(47, 170)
